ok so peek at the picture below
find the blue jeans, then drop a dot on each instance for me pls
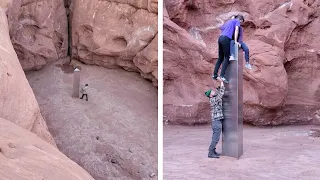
(243, 46)
(216, 131)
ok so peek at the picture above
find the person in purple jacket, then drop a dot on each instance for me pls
(242, 45)
(230, 28)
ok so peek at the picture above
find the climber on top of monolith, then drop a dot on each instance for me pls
(229, 29)
(242, 45)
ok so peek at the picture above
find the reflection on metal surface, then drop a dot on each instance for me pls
(232, 130)
(76, 83)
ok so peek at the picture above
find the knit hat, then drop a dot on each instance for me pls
(207, 93)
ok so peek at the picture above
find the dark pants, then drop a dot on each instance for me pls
(216, 132)
(84, 95)
(224, 53)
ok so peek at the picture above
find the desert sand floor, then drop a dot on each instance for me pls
(114, 134)
(278, 153)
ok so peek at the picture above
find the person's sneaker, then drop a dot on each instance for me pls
(224, 79)
(213, 155)
(232, 58)
(248, 66)
(214, 77)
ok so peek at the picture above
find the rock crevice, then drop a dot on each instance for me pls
(105, 33)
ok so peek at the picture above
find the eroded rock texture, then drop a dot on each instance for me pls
(114, 33)
(119, 33)
(24, 156)
(38, 31)
(282, 36)
(17, 101)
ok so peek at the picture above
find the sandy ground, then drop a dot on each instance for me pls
(279, 153)
(114, 134)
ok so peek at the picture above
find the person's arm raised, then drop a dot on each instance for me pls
(236, 35)
(220, 91)
(237, 32)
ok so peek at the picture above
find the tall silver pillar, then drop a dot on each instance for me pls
(232, 129)
(76, 83)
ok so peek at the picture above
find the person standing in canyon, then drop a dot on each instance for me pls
(230, 28)
(242, 45)
(84, 91)
(217, 116)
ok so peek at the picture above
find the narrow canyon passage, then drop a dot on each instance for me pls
(114, 134)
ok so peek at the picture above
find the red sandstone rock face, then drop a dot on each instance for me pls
(147, 61)
(24, 156)
(282, 37)
(113, 33)
(38, 31)
(118, 33)
(18, 103)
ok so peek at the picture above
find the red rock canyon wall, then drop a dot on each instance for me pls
(18, 103)
(283, 87)
(117, 33)
(114, 33)
(24, 156)
(38, 31)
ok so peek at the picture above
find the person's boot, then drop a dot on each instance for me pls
(216, 153)
(213, 155)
